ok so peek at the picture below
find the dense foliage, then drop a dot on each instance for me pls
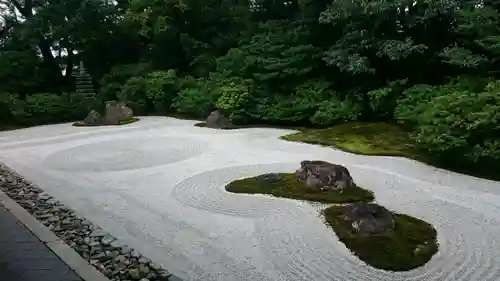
(429, 65)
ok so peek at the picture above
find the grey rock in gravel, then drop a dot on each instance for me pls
(53, 219)
(154, 266)
(117, 244)
(144, 260)
(112, 254)
(144, 270)
(106, 240)
(52, 201)
(163, 275)
(101, 257)
(120, 258)
(66, 222)
(126, 250)
(44, 196)
(94, 244)
(144, 279)
(98, 233)
(135, 254)
(134, 273)
(86, 222)
(86, 240)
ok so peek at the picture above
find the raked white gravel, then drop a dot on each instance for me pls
(158, 185)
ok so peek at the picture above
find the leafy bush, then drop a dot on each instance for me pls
(133, 93)
(335, 111)
(414, 101)
(299, 107)
(161, 88)
(48, 108)
(462, 123)
(383, 101)
(112, 82)
(232, 99)
(195, 100)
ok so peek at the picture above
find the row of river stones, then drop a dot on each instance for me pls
(115, 260)
(115, 112)
(365, 218)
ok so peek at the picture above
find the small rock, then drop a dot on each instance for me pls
(112, 254)
(117, 244)
(86, 240)
(163, 274)
(86, 222)
(135, 254)
(120, 259)
(154, 266)
(144, 270)
(106, 240)
(134, 273)
(100, 256)
(144, 279)
(53, 219)
(98, 233)
(144, 260)
(126, 250)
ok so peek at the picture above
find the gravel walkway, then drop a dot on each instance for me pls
(158, 186)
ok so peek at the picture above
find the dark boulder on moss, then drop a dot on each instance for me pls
(368, 218)
(321, 175)
(217, 120)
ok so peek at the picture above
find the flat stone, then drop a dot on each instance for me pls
(98, 233)
(144, 260)
(134, 274)
(106, 240)
(144, 270)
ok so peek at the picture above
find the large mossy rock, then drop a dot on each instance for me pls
(93, 118)
(116, 112)
(321, 175)
(368, 218)
(217, 120)
(404, 243)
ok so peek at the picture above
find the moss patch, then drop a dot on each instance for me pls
(360, 138)
(396, 252)
(289, 187)
(122, 122)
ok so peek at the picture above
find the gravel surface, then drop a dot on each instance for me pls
(158, 186)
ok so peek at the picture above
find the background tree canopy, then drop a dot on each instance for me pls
(430, 66)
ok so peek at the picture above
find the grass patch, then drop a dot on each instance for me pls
(289, 187)
(395, 252)
(361, 138)
(122, 122)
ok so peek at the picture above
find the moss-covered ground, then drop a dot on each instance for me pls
(289, 187)
(412, 244)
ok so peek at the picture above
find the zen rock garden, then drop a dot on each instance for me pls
(381, 238)
(116, 113)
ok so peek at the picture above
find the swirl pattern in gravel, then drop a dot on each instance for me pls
(125, 154)
(284, 231)
(206, 191)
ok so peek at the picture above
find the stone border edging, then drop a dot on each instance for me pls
(109, 256)
(69, 256)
